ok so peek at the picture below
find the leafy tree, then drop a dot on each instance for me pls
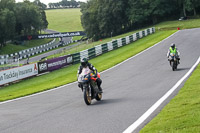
(102, 18)
(88, 19)
(22, 18)
(137, 13)
(192, 5)
(28, 17)
(64, 4)
(7, 26)
(159, 9)
(42, 7)
(7, 21)
(9, 4)
(51, 5)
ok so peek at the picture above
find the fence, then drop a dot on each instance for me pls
(7, 59)
(109, 46)
(19, 73)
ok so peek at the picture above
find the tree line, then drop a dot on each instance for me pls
(65, 4)
(20, 19)
(104, 18)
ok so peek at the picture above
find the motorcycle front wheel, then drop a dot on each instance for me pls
(173, 66)
(176, 64)
(87, 96)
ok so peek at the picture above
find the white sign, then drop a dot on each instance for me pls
(18, 73)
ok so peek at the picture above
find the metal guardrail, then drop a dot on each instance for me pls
(109, 46)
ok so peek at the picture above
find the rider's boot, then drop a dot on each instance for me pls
(99, 81)
(100, 90)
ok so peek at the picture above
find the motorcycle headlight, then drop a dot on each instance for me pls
(85, 78)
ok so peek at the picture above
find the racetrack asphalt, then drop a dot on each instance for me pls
(130, 89)
(52, 52)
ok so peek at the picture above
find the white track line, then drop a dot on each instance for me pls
(160, 101)
(76, 81)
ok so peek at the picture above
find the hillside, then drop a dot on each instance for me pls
(64, 20)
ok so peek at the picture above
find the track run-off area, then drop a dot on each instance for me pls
(130, 89)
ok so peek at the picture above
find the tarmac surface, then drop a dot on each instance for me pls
(130, 89)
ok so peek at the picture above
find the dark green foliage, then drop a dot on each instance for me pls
(104, 18)
(7, 26)
(65, 4)
(22, 18)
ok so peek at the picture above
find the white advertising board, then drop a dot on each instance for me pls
(18, 73)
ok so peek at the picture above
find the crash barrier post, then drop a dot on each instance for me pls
(104, 48)
(91, 53)
(76, 57)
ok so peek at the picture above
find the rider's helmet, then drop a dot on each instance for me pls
(173, 45)
(84, 62)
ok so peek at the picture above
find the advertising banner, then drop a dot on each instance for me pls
(54, 35)
(42, 67)
(18, 73)
(54, 64)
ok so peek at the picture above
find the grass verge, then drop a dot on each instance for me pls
(68, 74)
(173, 25)
(12, 48)
(182, 114)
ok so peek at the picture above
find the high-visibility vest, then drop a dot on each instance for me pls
(172, 51)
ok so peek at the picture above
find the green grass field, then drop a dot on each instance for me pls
(64, 20)
(173, 25)
(12, 48)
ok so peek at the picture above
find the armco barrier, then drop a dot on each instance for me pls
(27, 52)
(30, 52)
(5, 59)
(19, 73)
(109, 46)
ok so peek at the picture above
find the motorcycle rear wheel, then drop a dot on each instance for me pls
(87, 97)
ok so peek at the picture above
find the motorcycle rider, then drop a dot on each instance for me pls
(173, 49)
(86, 64)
